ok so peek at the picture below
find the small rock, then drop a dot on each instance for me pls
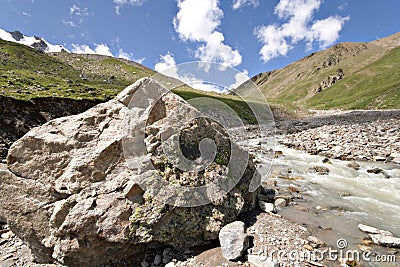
(364, 248)
(269, 183)
(308, 247)
(375, 170)
(326, 160)
(379, 158)
(166, 255)
(386, 240)
(233, 240)
(395, 157)
(319, 170)
(354, 165)
(315, 241)
(6, 257)
(267, 207)
(344, 194)
(380, 237)
(368, 241)
(351, 262)
(324, 227)
(157, 260)
(7, 235)
(280, 203)
(293, 189)
(171, 264)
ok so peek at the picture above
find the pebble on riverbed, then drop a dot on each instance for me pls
(375, 170)
(354, 165)
(319, 170)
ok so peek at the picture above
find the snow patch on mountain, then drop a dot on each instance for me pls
(32, 41)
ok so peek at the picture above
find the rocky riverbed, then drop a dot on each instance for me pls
(366, 141)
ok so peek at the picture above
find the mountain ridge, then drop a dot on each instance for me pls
(302, 83)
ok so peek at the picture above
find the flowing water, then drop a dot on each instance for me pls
(340, 200)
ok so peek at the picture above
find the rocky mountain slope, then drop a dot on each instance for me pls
(345, 76)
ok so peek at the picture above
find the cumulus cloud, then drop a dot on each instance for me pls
(327, 31)
(125, 55)
(119, 3)
(100, 49)
(197, 21)
(237, 4)
(240, 78)
(298, 25)
(167, 61)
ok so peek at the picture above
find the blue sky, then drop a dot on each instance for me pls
(250, 35)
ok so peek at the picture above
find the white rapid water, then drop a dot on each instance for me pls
(340, 200)
(372, 198)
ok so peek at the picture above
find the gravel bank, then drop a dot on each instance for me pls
(358, 135)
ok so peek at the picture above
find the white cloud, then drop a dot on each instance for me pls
(167, 61)
(200, 85)
(129, 56)
(78, 11)
(26, 14)
(76, 16)
(240, 78)
(327, 31)
(70, 23)
(277, 40)
(139, 60)
(197, 21)
(103, 49)
(82, 49)
(119, 3)
(125, 55)
(100, 49)
(237, 4)
(343, 6)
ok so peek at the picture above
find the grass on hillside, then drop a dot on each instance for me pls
(27, 73)
(376, 86)
(241, 108)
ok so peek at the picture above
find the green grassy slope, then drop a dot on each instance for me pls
(376, 86)
(27, 73)
(370, 78)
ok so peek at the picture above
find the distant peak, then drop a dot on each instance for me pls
(17, 35)
(35, 42)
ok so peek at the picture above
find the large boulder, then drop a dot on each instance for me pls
(98, 187)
